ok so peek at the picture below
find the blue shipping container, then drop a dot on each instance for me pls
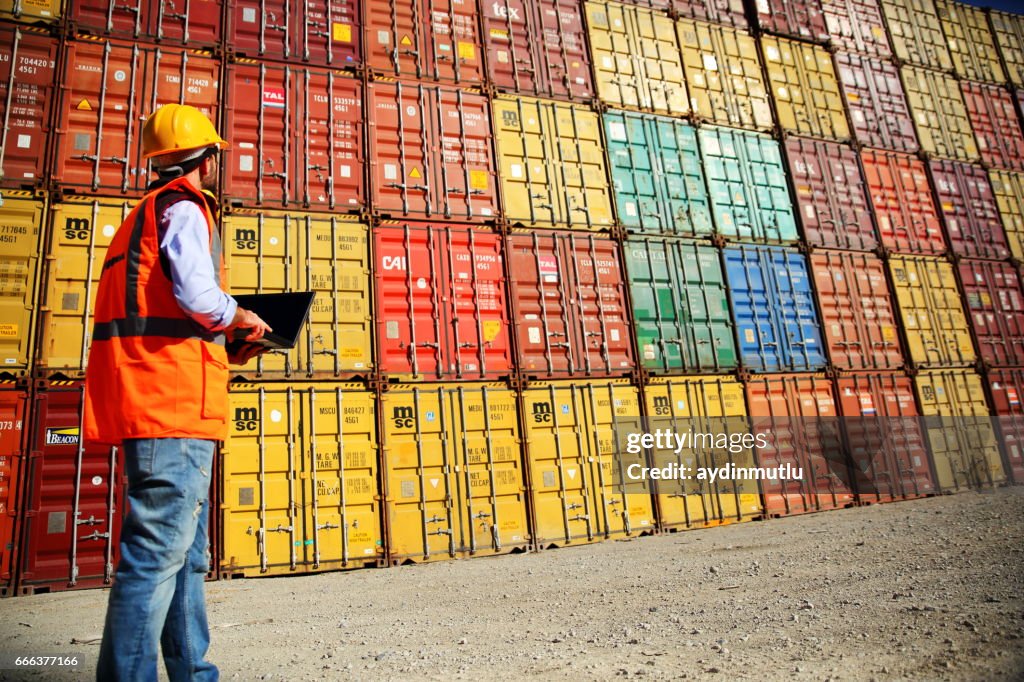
(773, 308)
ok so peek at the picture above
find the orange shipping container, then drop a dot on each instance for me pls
(902, 198)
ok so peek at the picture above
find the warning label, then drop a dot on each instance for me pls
(84, 105)
(342, 33)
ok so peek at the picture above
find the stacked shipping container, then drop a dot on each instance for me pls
(529, 225)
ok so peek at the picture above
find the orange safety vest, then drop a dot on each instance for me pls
(152, 371)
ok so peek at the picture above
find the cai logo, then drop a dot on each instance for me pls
(67, 435)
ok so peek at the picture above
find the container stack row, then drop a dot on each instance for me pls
(532, 228)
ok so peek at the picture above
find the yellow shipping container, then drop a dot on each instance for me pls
(31, 11)
(79, 231)
(972, 46)
(453, 471)
(1008, 189)
(932, 311)
(806, 91)
(703, 405)
(723, 75)
(960, 434)
(272, 251)
(21, 221)
(1009, 36)
(940, 117)
(636, 58)
(552, 164)
(917, 33)
(299, 480)
(576, 464)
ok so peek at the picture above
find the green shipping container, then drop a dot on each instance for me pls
(681, 312)
(656, 171)
(747, 183)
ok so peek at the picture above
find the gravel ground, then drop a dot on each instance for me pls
(931, 589)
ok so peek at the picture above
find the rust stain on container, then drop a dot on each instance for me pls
(1006, 386)
(994, 120)
(856, 310)
(916, 33)
(995, 303)
(856, 26)
(296, 138)
(830, 194)
(969, 210)
(884, 436)
(803, 82)
(940, 117)
(196, 23)
(538, 47)
(431, 152)
(902, 199)
(877, 103)
(569, 299)
(797, 18)
(28, 77)
(972, 46)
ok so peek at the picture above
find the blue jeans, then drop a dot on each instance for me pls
(158, 593)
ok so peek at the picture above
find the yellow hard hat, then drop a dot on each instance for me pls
(178, 127)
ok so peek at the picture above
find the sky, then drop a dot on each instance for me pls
(1005, 5)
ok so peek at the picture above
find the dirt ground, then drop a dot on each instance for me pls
(931, 589)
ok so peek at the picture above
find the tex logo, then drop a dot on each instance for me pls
(67, 435)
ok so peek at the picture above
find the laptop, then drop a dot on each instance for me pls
(285, 313)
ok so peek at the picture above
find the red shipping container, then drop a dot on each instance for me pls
(856, 26)
(995, 303)
(441, 303)
(1006, 387)
(884, 437)
(797, 18)
(75, 499)
(538, 47)
(569, 299)
(13, 401)
(191, 23)
(856, 310)
(424, 39)
(830, 194)
(796, 414)
(995, 125)
(28, 74)
(729, 12)
(108, 90)
(902, 197)
(877, 103)
(296, 136)
(431, 152)
(969, 210)
(324, 33)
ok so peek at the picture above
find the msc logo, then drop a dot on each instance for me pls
(393, 263)
(542, 412)
(245, 239)
(67, 435)
(404, 417)
(246, 419)
(661, 405)
(76, 228)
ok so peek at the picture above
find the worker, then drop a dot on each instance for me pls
(157, 386)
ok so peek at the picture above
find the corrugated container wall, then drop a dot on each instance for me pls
(108, 89)
(538, 47)
(680, 306)
(972, 46)
(723, 75)
(32, 11)
(14, 427)
(1009, 36)
(1006, 386)
(431, 152)
(937, 105)
(1008, 189)
(994, 121)
(657, 174)
(969, 210)
(803, 82)
(797, 18)
(569, 301)
(995, 303)
(28, 76)
(877, 104)
(830, 194)
(636, 58)
(551, 163)
(21, 223)
(916, 33)
(296, 138)
(424, 39)
(902, 199)
(196, 24)
(773, 308)
(856, 26)
(327, 32)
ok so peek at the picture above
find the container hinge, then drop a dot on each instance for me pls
(91, 521)
(573, 505)
(435, 519)
(326, 351)
(441, 531)
(280, 529)
(95, 535)
(481, 515)
(328, 526)
(580, 517)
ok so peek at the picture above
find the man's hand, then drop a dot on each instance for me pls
(247, 319)
(242, 353)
